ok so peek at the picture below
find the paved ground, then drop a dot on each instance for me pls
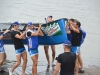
(92, 68)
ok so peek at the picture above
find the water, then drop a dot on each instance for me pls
(86, 11)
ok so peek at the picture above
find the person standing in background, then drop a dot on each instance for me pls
(46, 47)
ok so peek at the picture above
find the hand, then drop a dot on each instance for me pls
(40, 25)
(6, 31)
(76, 74)
(36, 27)
(68, 20)
(26, 29)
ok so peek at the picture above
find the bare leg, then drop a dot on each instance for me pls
(24, 56)
(2, 58)
(34, 67)
(17, 63)
(46, 53)
(80, 60)
(53, 52)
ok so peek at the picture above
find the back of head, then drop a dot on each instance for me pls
(67, 44)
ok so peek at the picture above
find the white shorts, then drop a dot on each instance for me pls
(33, 52)
(20, 51)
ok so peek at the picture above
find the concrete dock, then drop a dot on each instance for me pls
(91, 68)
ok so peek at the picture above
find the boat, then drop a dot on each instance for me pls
(54, 32)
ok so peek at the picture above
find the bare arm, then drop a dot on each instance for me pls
(67, 30)
(4, 34)
(20, 36)
(74, 29)
(37, 32)
(24, 37)
(1, 37)
(57, 69)
(41, 33)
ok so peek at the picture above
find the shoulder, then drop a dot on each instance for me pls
(60, 54)
(13, 32)
(73, 54)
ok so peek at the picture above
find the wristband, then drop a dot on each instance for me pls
(3, 34)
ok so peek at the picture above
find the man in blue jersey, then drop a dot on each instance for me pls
(2, 50)
(20, 51)
(32, 42)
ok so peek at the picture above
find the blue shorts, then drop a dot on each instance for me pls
(2, 50)
(20, 51)
(75, 49)
(33, 52)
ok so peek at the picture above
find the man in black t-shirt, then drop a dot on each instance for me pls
(66, 62)
(20, 51)
(76, 35)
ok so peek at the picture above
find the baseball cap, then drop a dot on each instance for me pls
(15, 23)
(67, 43)
(50, 16)
(29, 23)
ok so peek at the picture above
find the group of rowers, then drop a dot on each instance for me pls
(69, 62)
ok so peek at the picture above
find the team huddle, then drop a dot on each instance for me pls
(69, 62)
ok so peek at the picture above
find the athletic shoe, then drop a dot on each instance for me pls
(10, 73)
(48, 67)
(53, 64)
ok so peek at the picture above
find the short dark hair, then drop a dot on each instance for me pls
(51, 16)
(78, 23)
(72, 19)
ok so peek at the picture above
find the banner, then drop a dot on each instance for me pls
(51, 29)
